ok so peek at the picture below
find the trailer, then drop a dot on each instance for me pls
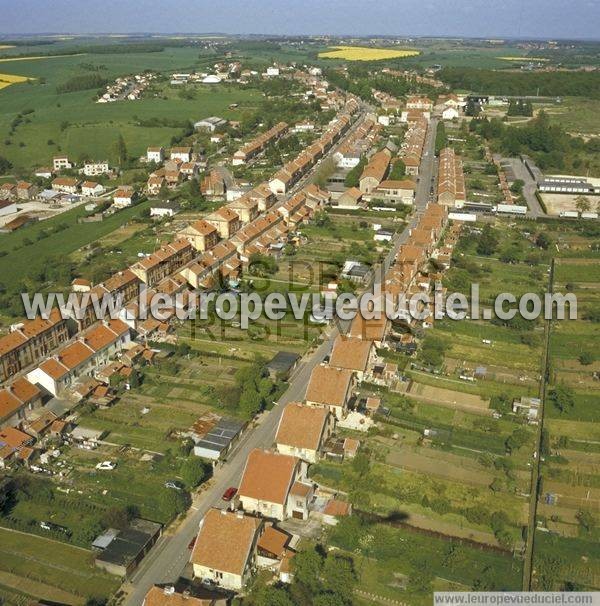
(569, 214)
(511, 209)
(589, 215)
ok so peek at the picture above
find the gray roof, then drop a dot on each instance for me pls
(130, 542)
(550, 181)
(283, 360)
(221, 435)
(105, 539)
(359, 270)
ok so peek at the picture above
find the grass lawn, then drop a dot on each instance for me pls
(133, 482)
(576, 114)
(393, 557)
(559, 559)
(172, 402)
(27, 255)
(77, 125)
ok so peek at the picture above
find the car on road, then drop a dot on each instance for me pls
(229, 493)
(192, 543)
(106, 466)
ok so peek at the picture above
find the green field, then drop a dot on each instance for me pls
(390, 560)
(78, 126)
(576, 115)
(50, 570)
(30, 249)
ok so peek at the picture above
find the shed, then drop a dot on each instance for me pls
(217, 442)
(103, 540)
(282, 364)
(124, 553)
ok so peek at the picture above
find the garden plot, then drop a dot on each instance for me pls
(454, 399)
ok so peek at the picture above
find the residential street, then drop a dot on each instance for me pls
(169, 557)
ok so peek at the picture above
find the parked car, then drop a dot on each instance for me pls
(229, 493)
(106, 466)
(174, 484)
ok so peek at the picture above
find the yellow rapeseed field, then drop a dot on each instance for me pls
(3, 46)
(523, 59)
(9, 59)
(365, 53)
(8, 79)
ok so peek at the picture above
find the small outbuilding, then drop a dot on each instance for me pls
(282, 364)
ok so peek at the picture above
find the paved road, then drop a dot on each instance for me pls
(168, 558)
(530, 187)
(428, 168)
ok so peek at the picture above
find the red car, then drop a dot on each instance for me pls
(229, 494)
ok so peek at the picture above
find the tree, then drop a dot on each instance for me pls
(117, 517)
(120, 151)
(134, 379)
(163, 193)
(184, 349)
(582, 204)
(488, 241)
(307, 565)
(441, 138)
(250, 403)
(85, 533)
(353, 177)
(516, 439)
(472, 109)
(329, 599)
(433, 350)
(562, 397)
(174, 502)
(398, 170)
(543, 240)
(324, 171)
(194, 187)
(322, 219)
(517, 186)
(273, 596)
(422, 577)
(5, 165)
(339, 576)
(586, 520)
(194, 471)
(361, 464)
(545, 443)
(261, 265)
(586, 358)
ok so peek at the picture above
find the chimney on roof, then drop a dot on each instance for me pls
(186, 594)
(169, 590)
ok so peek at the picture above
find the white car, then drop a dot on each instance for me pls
(106, 466)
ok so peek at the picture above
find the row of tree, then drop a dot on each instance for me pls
(498, 82)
